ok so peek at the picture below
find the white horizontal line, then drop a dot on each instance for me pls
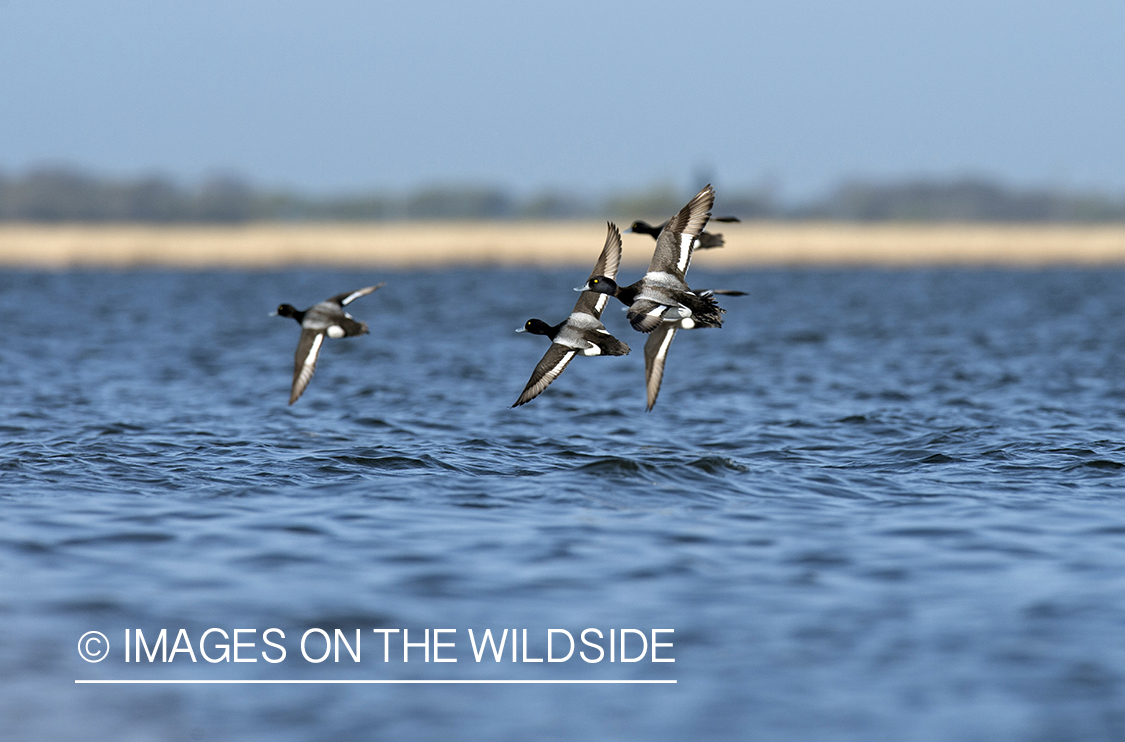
(375, 682)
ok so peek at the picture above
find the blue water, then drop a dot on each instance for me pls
(875, 505)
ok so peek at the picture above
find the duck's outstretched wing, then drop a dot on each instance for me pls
(656, 352)
(348, 297)
(676, 240)
(549, 368)
(609, 261)
(304, 362)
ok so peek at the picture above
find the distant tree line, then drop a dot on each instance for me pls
(67, 195)
(966, 200)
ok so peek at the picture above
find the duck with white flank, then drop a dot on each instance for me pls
(661, 302)
(707, 240)
(327, 318)
(662, 293)
(581, 332)
(660, 339)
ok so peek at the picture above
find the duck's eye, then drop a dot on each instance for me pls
(595, 282)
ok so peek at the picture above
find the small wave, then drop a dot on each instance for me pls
(820, 559)
(807, 337)
(596, 416)
(718, 465)
(299, 529)
(687, 538)
(1100, 464)
(615, 465)
(1107, 531)
(137, 537)
(117, 429)
(83, 607)
(927, 532)
(372, 422)
(274, 560)
(396, 463)
(479, 444)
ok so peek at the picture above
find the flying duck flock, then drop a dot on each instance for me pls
(659, 304)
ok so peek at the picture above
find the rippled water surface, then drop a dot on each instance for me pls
(875, 505)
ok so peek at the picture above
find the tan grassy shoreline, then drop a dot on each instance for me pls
(548, 243)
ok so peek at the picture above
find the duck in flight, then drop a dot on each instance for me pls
(662, 293)
(327, 318)
(658, 342)
(707, 240)
(581, 332)
(661, 303)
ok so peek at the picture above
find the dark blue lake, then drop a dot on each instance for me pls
(875, 505)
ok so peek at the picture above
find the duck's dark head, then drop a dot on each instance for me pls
(287, 310)
(640, 227)
(537, 327)
(601, 285)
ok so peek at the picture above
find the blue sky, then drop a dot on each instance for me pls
(581, 96)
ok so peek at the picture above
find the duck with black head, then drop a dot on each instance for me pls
(707, 240)
(662, 293)
(326, 319)
(580, 333)
(661, 302)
